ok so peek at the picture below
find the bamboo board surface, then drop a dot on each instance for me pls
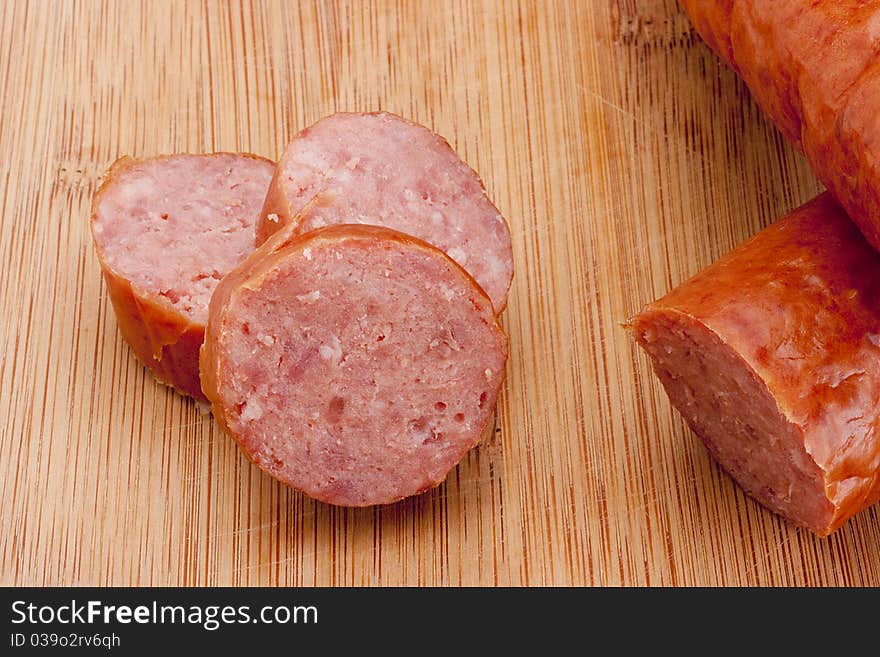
(624, 155)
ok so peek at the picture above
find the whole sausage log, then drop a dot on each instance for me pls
(814, 67)
(381, 168)
(772, 356)
(166, 230)
(353, 363)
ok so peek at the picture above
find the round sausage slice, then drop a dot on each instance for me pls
(772, 356)
(355, 364)
(166, 230)
(383, 169)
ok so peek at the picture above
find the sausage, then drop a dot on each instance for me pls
(813, 66)
(711, 19)
(166, 230)
(380, 167)
(353, 363)
(772, 356)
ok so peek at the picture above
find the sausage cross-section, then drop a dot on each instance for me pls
(772, 356)
(381, 168)
(353, 363)
(166, 230)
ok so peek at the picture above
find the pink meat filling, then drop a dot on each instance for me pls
(382, 169)
(174, 226)
(736, 416)
(360, 371)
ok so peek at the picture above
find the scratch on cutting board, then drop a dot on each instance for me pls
(677, 143)
(778, 544)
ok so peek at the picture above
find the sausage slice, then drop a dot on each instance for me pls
(772, 356)
(354, 363)
(383, 169)
(166, 230)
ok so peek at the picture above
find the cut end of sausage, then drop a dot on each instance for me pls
(166, 230)
(380, 168)
(173, 226)
(355, 364)
(731, 409)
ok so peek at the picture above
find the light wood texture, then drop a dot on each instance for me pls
(626, 158)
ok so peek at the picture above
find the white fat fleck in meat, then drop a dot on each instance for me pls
(135, 188)
(251, 410)
(311, 297)
(267, 340)
(457, 254)
(493, 263)
(447, 293)
(272, 217)
(343, 175)
(307, 254)
(448, 340)
(488, 374)
(331, 351)
(314, 160)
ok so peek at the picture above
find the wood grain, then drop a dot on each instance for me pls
(626, 158)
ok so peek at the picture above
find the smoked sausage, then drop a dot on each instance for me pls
(353, 363)
(772, 356)
(814, 67)
(382, 168)
(166, 230)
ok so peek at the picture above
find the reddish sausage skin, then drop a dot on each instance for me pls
(381, 168)
(166, 229)
(772, 356)
(814, 67)
(353, 363)
(713, 24)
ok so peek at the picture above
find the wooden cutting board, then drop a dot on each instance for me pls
(626, 158)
